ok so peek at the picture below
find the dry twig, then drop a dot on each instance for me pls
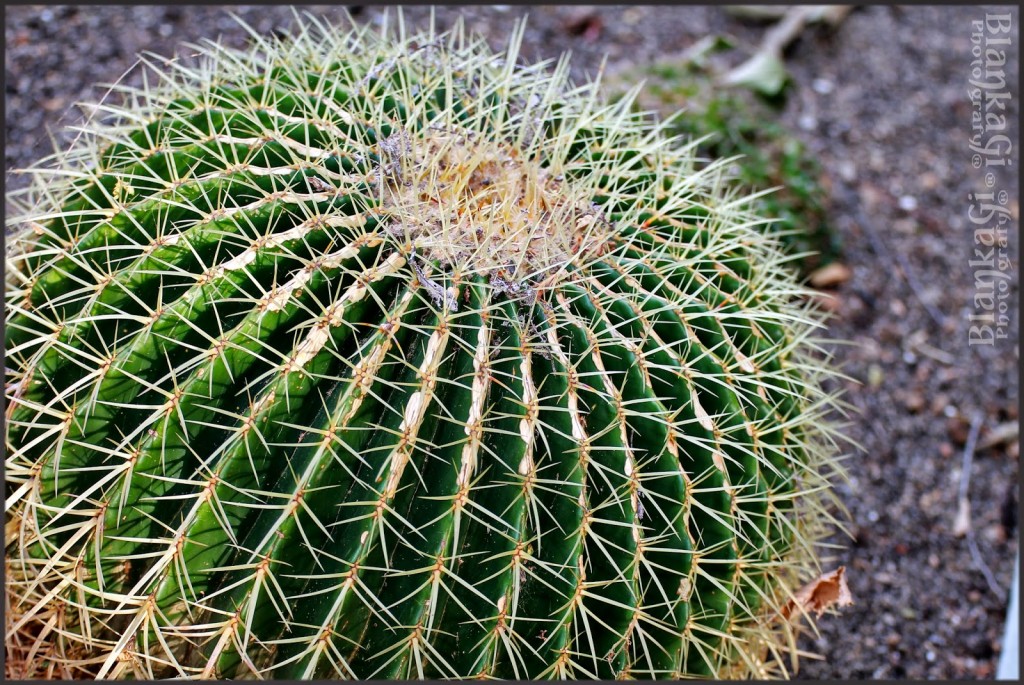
(962, 527)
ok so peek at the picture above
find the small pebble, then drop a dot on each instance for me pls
(822, 86)
(875, 376)
(907, 226)
(847, 170)
(632, 16)
(939, 402)
(957, 429)
(914, 402)
(908, 203)
(877, 160)
(924, 372)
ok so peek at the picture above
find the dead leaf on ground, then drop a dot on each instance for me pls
(821, 593)
(1003, 433)
(830, 275)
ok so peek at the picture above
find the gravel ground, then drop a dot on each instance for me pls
(881, 101)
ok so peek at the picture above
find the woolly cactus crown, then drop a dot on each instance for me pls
(388, 356)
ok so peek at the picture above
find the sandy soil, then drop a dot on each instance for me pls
(882, 102)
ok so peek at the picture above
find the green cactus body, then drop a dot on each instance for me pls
(388, 357)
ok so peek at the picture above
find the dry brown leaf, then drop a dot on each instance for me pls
(820, 594)
(830, 275)
(1003, 433)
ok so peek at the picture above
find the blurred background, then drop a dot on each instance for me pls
(864, 116)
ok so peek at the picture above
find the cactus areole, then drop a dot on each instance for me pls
(386, 356)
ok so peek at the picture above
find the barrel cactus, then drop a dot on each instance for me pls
(386, 355)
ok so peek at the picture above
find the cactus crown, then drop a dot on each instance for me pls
(387, 356)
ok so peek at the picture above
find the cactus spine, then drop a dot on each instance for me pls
(386, 356)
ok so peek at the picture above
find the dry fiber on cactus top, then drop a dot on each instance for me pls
(386, 356)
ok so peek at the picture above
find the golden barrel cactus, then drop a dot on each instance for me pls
(388, 356)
